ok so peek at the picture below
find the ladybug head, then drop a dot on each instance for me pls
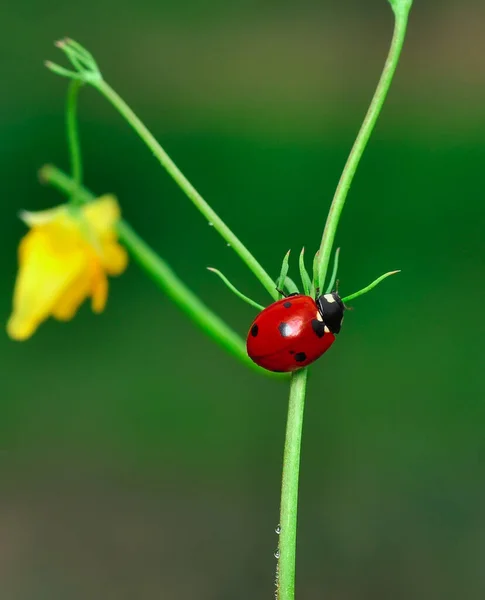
(332, 309)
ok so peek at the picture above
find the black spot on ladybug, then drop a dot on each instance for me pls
(287, 304)
(284, 329)
(318, 327)
(300, 357)
(254, 330)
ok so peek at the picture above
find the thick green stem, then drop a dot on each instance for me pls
(187, 187)
(73, 139)
(163, 276)
(289, 487)
(401, 18)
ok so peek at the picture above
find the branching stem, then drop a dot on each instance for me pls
(88, 72)
(291, 462)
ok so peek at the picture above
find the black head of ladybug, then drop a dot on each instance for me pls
(332, 309)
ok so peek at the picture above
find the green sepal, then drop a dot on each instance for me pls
(58, 70)
(291, 286)
(86, 68)
(334, 272)
(235, 290)
(305, 278)
(369, 287)
(315, 283)
(81, 51)
(280, 284)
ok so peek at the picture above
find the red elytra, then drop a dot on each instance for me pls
(293, 332)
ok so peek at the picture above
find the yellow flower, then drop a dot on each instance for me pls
(64, 259)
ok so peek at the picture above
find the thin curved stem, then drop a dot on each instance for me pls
(164, 277)
(73, 139)
(401, 18)
(193, 195)
(289, 487)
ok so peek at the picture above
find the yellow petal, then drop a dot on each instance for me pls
(115, 258)
(68, 303)
(102, 214)
(42, 278)
(63, 260)
(99, 294)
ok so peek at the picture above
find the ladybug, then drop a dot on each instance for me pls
(293, 332)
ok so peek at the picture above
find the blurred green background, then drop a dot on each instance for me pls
(138, 460)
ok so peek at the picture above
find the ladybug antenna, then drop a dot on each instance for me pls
(369, 287)
(334, 272)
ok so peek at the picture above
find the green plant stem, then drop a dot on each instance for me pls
(168, 164)
(183, 297)
(73, 139)
(153, 264)
(291, 462)
(289, 487)
(163, 276)
(400, 24)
